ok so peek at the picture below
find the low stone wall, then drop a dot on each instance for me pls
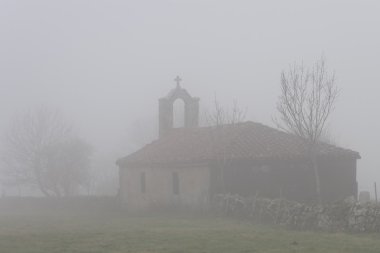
(348, 216)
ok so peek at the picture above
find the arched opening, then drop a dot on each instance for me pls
(178, 113)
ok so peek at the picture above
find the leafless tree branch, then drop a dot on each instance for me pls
(306, 102)
(34, 145)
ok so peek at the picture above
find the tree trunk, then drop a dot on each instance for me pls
(40, 184)
(220, 180)
(42, 188)
(316, 177)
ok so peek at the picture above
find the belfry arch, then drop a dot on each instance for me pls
(166, 112)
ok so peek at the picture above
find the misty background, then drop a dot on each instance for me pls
(104, 64)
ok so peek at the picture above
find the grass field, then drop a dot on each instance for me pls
(112, 231)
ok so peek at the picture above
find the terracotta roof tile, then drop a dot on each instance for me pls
(247, 140)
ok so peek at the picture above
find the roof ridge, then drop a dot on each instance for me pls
(248, 139)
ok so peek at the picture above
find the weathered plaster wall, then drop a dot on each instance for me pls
(293, 180)
(193, 187)
(338, 179)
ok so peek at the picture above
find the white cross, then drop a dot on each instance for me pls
(178, 81)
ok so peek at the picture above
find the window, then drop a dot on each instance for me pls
(142, 182)
(175, 183)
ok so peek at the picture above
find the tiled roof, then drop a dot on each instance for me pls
(247, 140)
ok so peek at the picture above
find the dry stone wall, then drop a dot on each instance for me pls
(348, 215)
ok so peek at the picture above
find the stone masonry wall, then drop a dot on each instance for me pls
(193, 187)
(348, 216)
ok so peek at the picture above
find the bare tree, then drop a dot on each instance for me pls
(31, 147)
(221, 119)
(307, 99)
(67, 166)
(220, 115)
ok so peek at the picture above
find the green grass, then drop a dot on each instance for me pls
(97, 231)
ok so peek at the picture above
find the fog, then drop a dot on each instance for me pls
(104, 64)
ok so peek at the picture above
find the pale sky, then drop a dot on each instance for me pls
(105, 63)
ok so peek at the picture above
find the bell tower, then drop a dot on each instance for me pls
(191, 117)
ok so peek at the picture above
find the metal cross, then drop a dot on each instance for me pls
(178, 81)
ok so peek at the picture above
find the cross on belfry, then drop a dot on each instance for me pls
(178, 81)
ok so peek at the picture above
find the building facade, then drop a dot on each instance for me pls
(188, 166)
